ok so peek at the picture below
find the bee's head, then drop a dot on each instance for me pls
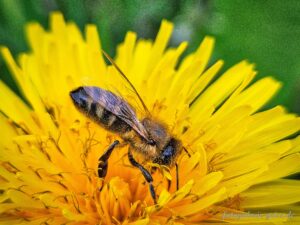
(167, 146)
(157, 132)
(169, 152)
(80, 98)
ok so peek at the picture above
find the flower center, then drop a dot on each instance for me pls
(116, 200)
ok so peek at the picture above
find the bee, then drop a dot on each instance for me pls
(147, 136)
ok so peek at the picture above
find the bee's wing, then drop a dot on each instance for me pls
(117, 106)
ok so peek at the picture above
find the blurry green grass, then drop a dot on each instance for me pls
(264, 32)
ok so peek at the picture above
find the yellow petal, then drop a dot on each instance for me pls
(279, 192)
(201, 203)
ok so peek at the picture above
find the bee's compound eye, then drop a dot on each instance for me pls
(151, 142)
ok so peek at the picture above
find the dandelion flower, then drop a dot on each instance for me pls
(239, 155)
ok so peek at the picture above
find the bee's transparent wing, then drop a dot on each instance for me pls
(118, 106)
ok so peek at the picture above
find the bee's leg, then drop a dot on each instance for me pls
(169, 184)
(186, 151)
(103, 160)
(177, 177)
(145, 173)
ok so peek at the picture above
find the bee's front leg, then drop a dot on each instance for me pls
(103, 160)
(177, 176)
(145, 173)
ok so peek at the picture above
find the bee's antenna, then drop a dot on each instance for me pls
(125, 77)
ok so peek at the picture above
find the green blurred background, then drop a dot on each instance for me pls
(264, 32)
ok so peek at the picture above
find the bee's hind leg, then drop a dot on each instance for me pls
(145, 173)
(103, 160)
